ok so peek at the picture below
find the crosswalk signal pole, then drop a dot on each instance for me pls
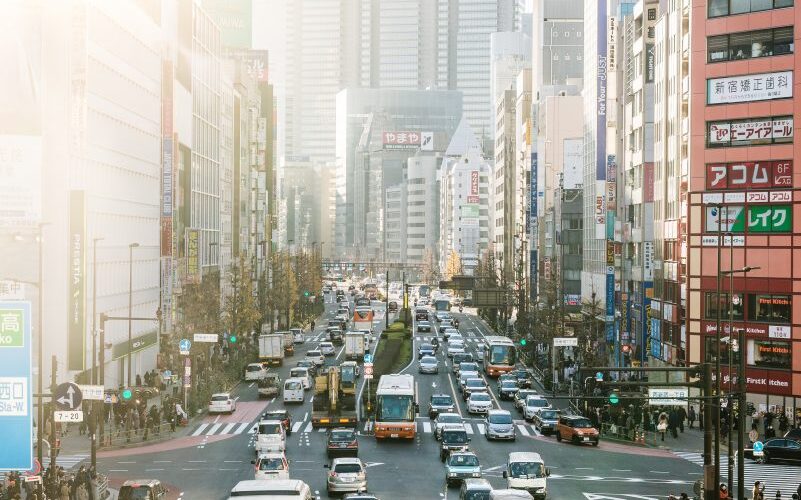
(53, 438)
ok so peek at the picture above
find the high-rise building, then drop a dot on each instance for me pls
(505, 183)
(422, 206)
(510, 52)
(743, 205)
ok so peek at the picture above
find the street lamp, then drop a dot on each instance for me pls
(94, 309)
(130, 306)
(740, 379)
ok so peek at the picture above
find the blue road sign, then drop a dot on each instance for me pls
(599, 377)
(184, 345)
(759, 449)
(16, 398)
(368, 358)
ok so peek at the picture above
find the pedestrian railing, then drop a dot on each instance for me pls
(636, 434)
(121, 436)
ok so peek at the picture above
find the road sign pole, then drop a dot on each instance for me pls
(53, 439)
(93, 432)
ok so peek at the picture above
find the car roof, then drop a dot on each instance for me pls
(479, 392)
(346, 460)
(270, 421)
(441, 394)
(334, 429)
(449, 414)
(226, 394)
(257, 486)
(271, 454)
(136, 482)
(499, 412)
(524, 456)
(477, 484)
(255, 364)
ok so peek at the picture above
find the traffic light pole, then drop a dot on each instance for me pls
(741, 388)
(710, 486)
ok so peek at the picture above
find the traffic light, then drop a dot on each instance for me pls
(614, 397)
(127, 394)
(523, 342)
(306, 293)
(232, 339)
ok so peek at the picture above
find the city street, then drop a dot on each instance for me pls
(217, 454)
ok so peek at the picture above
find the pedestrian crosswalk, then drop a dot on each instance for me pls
(68, 462)
(775, 477)
(424, 426)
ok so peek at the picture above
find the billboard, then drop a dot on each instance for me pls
(408, 140)
(16, 401)
(77, 281)
(474, 177)
(750, 131)
(573, 163)
(192, 256)
(750, 88)
(749, 175)
(600, 86)
(234, 20)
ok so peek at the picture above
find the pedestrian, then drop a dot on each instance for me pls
(778, 494)
(753, 434)
(799, 490)
(682, 416)
(138, 380)
(723, 492)
(673, 423)
(691, 416)
(64, 491)
(662, 426)
(312, 325)
(758, 492)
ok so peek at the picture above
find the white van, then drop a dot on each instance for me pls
(510, 495)
(275, 489)
(303, 374)
(526, 471)
(293, 390)
(270, 437)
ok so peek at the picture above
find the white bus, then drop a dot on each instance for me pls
(396, 407)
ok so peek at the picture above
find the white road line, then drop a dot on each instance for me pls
(228, 428)
(321, 429)
(242, 428)
(153, 470)
(213, 429)
(233, 461)
(427, 427)
(296, 426)
(252, 384)
(308, 428)
(305, 416)
(199, 430)
(217, 419)
(481, 429)
(522, 429)
(468, 428)
(116, 470)
(196, 461)
(126, 462)
(162, 461)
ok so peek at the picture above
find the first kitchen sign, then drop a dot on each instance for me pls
(750, 88)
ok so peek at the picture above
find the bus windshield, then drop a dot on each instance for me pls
(502, 355)
(395, 408)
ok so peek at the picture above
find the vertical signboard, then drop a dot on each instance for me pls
(16, 406)
(533, 227)
(192, 263)
(77, 281)
(167, 190)
(234, 19)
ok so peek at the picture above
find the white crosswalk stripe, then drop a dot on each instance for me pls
(222, 428)
(468, 428)
(481, 429)
(296, 426)
(213, 429)
(427, 427)
(523, 430)
(241, 428)
(228, 428)
(776, 477)
(69, 462)
(308, 427)
(200, 429)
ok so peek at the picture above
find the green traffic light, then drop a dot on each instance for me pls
(614, 398)
(306, 294)
(522, 341)
(232, 339)
(127, 394)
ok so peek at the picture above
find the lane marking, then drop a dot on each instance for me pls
(481, 429)
(522, 429)
(242, 428)
(296, 426)
(427, 427)
(468, 428)
(252, 384)
(199, 430)
(118, 470)
(213, 429)
(126, 462)
(308, 427)
(217, 419)
(228, 428)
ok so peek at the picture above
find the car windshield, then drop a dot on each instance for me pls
(396, 408)
(342, 436)
(254, 368)
(468, 367)
(135, 493)
(219, 398)
(271, 464)
(426, 347)
(536, 402)
(549, 414)
(477, 495)
(454, 437)
(293, 385)
(313, 353)
(428, 360)
(501, 418)
(526, 469)
(582, 423)
(347, 468)
(449, 418)
(474, 382)
(523, 394)
(502, 355)
(480, 397)
(457, 344)
(463, 460)
(269, 428)
(508, 384)
(441, 400)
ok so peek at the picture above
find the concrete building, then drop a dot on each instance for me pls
(505, 183)
(742, 61)
(635, 209)
(667, 334)
(422, 206)
(378, 130)
(558, 43)
(395, 223)
(510, 53)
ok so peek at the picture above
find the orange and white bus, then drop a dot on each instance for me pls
(396, 407)
(500, 355)
(363, 318)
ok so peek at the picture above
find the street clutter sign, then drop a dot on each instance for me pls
(92, 392)
(368, 359)
(16, 402)
(368, 371)
(68, 396)
(69, 416)
(668, 396)
(188, 372)
(565, 342)
(206, 337)
(184, 345)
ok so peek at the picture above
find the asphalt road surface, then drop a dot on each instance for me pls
(208, 463)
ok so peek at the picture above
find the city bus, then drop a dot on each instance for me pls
(500, 355)
(442, 305)
(396, 407)
(363, 318)
(363, 302)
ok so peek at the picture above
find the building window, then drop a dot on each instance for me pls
(750, 132)
(769, 308)
(750, 44)
(769, 354)
(717, 8)
(711, 310)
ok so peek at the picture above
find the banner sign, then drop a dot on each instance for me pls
(16, 401)
(750, 88)
(233, 17)
(752, 131)
(408, 140)
(77, 282)
(474, 176)
(674, 396)
(192, 262)
(750, 175)
(600, 86)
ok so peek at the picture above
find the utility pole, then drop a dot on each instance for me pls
(710, 485)
(386, 305)
(40, 377)
(53, 439)
(715, 406)
(741, 388)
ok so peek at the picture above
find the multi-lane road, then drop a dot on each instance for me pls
(217, 453)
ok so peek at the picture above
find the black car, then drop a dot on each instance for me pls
(794, 434)
(281, 415)
(426, 350)
(440, 403)
(507, 389)
(777, 450)
(524, 378)
(342, 441)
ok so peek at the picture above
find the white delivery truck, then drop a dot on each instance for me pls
(354, 346)
(271, 349)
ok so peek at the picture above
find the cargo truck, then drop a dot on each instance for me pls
(354, 346)
(271, 349)
(334, 402)
(289, 343)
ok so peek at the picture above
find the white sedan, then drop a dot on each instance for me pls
(222, 403)
(454, 347)
(533, 405)
(479, 402)
(327, 348)
(271, 466)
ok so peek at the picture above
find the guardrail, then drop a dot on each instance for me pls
(120, 436)
(636, 435)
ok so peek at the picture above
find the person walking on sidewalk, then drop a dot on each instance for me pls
(673, 423)
(758, 492)
(691, 416)
(753, 434)
(662, 426)
(681, 413)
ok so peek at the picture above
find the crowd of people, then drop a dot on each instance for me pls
(56, 484)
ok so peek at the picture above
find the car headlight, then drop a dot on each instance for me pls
(451, 474)
(476, 474)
